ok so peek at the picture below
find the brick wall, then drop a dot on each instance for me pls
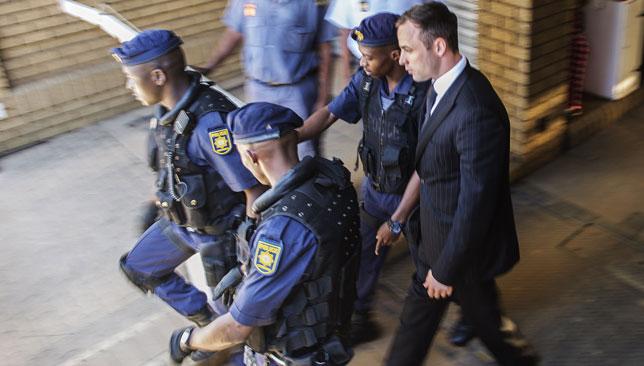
(4, 81)
(56, 73)
(524, 51)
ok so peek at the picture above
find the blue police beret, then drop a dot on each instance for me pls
(261, 121)
(376, 30)
(146, 46)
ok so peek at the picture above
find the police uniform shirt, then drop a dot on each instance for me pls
(211, 146)
(280, 37)
(346, 105)
(282, 249)
(348, 14)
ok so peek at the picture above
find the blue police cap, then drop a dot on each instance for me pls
(146, 46)
(261, 121)
(376, 30)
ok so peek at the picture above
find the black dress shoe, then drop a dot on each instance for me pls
(363, 328)
(461, 333)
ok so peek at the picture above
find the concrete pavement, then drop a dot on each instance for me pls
(70, 205)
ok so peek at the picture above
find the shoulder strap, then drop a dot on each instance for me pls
(406, 102)
(366, 85)
(211, 100)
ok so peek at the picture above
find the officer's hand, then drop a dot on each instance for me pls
(435, 289)
(384, 237)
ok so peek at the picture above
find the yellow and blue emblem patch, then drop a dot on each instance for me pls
(267, 256)
(220, 141)
(359, 35)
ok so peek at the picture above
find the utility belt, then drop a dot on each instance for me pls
(388, 172)
(376, 186)
(312, 72)
(198, 219)
(374, 183)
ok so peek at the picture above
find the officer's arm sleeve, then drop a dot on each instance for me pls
(346, 105)
(213, 147)
(273, 272)
(234, 15)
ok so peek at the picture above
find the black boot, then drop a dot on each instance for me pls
(363, 328)
(461, 333)
(203, 317)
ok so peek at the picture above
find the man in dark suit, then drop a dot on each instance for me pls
(467, 231)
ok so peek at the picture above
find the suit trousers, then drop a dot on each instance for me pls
(479, 303)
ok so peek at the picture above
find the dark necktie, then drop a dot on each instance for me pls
(431, 100)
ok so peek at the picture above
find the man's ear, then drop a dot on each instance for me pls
(395, 54)
(440, 46)
(252, 156)
(158, 77)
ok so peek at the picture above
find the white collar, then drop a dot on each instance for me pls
(447, 79)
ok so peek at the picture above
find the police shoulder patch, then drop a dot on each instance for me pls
(220, 141)
(267, 255)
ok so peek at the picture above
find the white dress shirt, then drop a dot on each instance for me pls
(442, 84)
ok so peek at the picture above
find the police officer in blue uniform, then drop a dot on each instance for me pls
(201, 184)
(286, 53)
(294, 305)
(385, 97)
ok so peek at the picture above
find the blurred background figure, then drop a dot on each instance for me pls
(347, 14)
(286, 54)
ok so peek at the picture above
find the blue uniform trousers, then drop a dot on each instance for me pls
(380, 206)
(299, 97)
(163, 247)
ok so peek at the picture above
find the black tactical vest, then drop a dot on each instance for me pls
(317, 313)
(190, 195)
(389, 137)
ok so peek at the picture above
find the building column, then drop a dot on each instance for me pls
(524, 49)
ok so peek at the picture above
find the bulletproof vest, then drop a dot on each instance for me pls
(390, 136)
(318, 310)
(188, 194)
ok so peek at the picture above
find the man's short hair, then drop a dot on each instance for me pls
(435, 20)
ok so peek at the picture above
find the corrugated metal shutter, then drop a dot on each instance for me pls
(467, 13)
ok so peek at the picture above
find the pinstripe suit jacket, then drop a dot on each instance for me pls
(467, 223)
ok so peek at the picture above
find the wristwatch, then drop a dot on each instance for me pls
(185, 338)
(395, 226)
